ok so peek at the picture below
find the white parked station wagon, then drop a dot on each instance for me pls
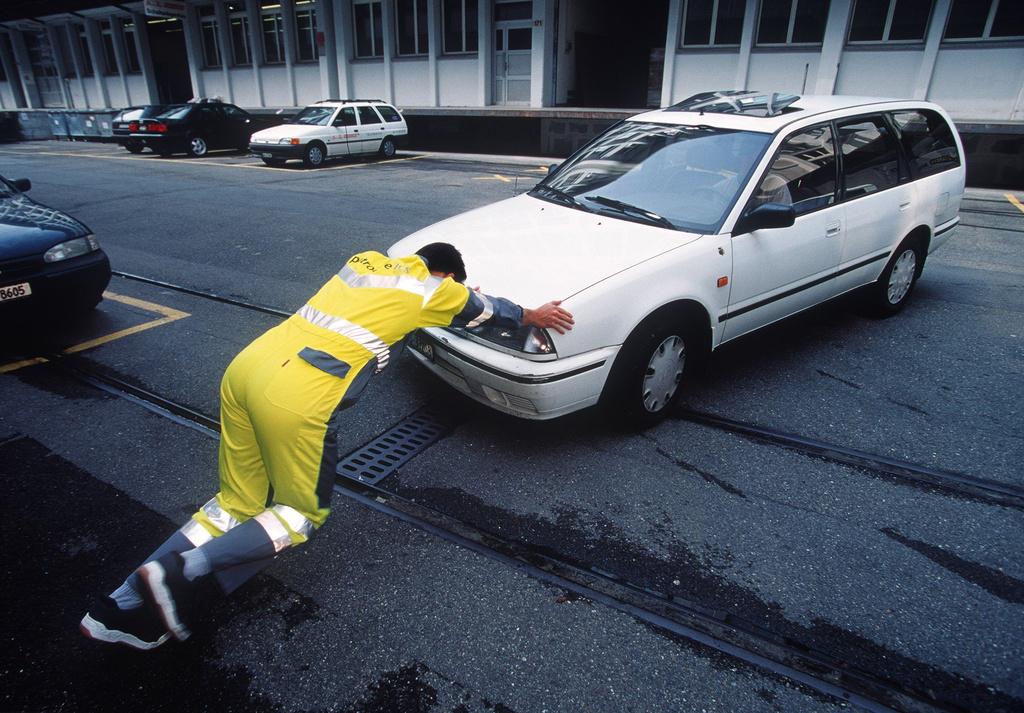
(680, 229)
(332, 128)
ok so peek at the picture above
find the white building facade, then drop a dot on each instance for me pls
(523, 55)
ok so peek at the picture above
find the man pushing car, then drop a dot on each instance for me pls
(281, 403)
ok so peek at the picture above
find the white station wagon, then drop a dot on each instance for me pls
(332, 128)
(680, 229)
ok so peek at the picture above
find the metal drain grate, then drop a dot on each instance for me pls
(392, 449)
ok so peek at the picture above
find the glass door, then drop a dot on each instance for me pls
(513, 51)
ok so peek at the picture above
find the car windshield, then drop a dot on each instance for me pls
(684, 177)
(313, 115)
(176, 112)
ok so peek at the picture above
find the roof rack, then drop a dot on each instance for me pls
(344, 101)
(749, 103)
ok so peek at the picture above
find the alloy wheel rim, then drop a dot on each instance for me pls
(315, 155)
(902, 276)
(389, 148)
(198, 146)
(664, 372)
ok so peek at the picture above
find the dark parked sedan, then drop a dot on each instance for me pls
(126, 122)
(48, 260)
(198, 127)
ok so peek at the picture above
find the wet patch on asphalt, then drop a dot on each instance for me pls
(415, 688)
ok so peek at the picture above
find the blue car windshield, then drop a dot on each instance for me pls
(683, 177)
(313, 115)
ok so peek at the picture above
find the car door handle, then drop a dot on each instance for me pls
(833, 230)
(904, 206)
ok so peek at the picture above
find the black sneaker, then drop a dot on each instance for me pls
(169, 593)
(138, 628)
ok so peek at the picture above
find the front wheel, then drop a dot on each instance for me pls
(197, 147)
(892, 290)
(648, 375)
(314, 156)
(387, 148)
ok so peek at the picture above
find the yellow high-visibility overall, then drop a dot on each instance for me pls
(281, 396)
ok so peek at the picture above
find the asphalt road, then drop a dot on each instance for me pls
(897, 579)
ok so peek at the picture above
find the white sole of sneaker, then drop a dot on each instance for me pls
(95, 630)
(152, 574)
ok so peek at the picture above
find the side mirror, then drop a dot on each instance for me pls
(22, 184)
(553, 167)
(765, 216)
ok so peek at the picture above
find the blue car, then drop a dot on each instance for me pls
(49, 262)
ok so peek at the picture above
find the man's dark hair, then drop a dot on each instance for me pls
(443, 257)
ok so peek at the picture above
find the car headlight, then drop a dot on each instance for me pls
(288, 141)
(71, 248)
(524, 339)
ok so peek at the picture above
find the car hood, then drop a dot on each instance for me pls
(28, 228)
(287, 131)
(532, 251)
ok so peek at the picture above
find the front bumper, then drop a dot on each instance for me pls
(280, 151)
(513, 385)
(56, 287)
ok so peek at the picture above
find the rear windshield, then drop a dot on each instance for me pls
(141, 112)
(179, 111)
(313, 116)
(689, 176)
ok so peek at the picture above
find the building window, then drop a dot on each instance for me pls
(411, 21)
(712, 23)
(792, 22)
(985, 20)
(131, 53)
(238, 23)
(208, 37)
(86, 56)
(890, 20)
(109, 57)
(273, 32)
(369, 28)
(305, 26)
(460, 33)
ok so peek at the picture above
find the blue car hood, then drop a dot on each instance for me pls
(28, 228)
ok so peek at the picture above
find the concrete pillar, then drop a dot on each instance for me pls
(145, 57)
(224, 41)
(193, 50)
(832, 46)
(940, 13)
(71, 33)
(387, 18)
(326, 52)
(485, 53)
(24, 74)
(746, 45)
(668, 74)
(288, 14)
(95, 42)
(117, 35)
(543, 53)
(344, 45)
(63, 70)
(252, 11)
(434, 42)
(11, 70)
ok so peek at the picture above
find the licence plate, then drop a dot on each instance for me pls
(266, 155)
(13, 292)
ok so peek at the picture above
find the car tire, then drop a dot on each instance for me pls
(134, 148)
(891, 291)
(650, 371)
(315, 155)
(275, 162)
(197, 147)
(387, 148)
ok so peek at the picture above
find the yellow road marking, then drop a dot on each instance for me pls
(169, 315)
(1013, 199)
(495, 177)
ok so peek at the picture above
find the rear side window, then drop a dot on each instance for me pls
(927, 140)
(803, 174)
(389, 113)
(367, 115)
(871, 160)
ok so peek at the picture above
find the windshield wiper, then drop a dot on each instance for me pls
(558, 195)
(630, 209)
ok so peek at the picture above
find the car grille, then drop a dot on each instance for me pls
(19, 268)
